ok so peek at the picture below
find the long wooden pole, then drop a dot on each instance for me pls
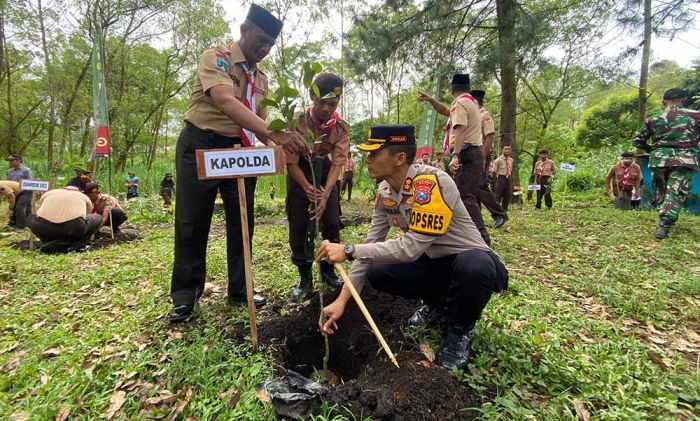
(31, 234)
(247, 262)
(365, 312)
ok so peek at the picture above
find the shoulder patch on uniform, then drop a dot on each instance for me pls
(222, 63)
(389, 202)
(408, 184)
(429, 213)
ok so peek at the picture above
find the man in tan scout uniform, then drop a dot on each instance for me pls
(502, 171)
(622, 179)
(463, 137)
(545, 169)
(440, 258)
(486, 196)
(224, 111)
(115, 215)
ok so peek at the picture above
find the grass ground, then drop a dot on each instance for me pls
(600, 319)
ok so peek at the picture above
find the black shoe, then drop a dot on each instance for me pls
(329, 277)
(498, 222)
(454, 351)
(258, 300)
(55, 246)
(663, 228)
(304, 288)
(181, 313)
(428, 315)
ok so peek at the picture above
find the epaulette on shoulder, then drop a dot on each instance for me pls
(344, 124)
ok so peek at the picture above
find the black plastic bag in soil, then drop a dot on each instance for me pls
(293, 396)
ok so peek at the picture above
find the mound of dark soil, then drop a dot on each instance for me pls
(369, 384)
(103, 238)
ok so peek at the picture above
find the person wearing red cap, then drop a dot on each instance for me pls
(224, 110)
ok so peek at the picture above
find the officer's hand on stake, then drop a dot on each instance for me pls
(312, 194)
(322, 200)
(332, 252)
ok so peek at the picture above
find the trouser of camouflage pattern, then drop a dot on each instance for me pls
(671, 188)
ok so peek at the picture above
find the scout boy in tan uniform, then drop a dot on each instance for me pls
(224, 111)
(329, 155)
(502, 171)
(622, 179)
(10, 190)
(545, 169)
(100, 202)
(441, 257)
(464, 140)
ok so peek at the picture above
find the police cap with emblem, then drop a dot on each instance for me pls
(388, 135)
(675, 93)
(265, 20)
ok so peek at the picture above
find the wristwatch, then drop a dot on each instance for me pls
(349, 250)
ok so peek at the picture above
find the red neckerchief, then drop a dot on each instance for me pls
(448, 125)
(625, 176)
(329, 124)
(247, 136)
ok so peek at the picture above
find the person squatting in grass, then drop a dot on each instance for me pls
(224, 111)
(441, 257)
(674, 135)
(325, 122)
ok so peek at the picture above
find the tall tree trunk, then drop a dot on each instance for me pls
(85, 137)
(65, 119)
(644, 72)
(50, 91)
(10, 137)
(2, 32)
(505, 11)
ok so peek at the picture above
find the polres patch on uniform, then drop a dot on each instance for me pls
(423, 189)
(221, 63)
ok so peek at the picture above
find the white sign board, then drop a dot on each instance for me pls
(35, 185)
(239, 162)
(534, 187)
(567, 167)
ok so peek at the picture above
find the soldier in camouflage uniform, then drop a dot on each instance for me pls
(674, 155)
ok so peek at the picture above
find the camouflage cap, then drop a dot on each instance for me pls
(675, 93)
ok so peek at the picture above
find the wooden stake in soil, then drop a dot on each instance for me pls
(111, 224)
(249, 162)
(365, 312)
(247, 263)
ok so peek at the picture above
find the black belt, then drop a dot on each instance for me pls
(208, 134)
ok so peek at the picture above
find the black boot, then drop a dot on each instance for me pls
(304, 288)
(329, 276)
(454, 351)
(429, 315)
(663, 228)
(181, 313)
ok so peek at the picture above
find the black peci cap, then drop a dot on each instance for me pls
(479, 95)
(675, 93)
(329, 85)
(265, 20)
(627, 155)
(13, 157)
(388, 135)
(91, 187)
(460, 79)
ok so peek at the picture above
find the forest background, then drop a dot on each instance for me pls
(572, 76)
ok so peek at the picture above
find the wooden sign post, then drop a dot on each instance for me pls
(33, 186)
(240, 163)
(567, 168)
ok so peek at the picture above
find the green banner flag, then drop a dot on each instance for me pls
(101, 140)
(427, 125)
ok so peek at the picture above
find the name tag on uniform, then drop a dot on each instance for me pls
(239, 162)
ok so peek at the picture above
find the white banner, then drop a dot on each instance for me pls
(534, 187)
(35, 185)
